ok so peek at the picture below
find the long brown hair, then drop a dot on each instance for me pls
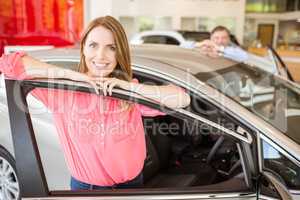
(123, 69)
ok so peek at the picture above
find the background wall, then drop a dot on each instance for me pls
(168, 14)
(289, 33)
(287, 29)
(252, 23)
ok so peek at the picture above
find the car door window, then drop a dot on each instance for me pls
(287, 171)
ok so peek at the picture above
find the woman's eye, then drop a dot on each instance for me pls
(113, 48)
(92, 45)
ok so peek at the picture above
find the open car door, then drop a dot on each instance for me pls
(34, 182)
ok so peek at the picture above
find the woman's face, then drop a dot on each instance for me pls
(100, 52)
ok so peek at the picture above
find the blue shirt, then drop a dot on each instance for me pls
(235, 53)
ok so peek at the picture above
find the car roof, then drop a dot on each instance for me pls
(181, 58)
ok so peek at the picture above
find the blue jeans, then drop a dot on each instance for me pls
(134, 183)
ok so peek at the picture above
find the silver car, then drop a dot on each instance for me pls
(161, 37)
(238, 139)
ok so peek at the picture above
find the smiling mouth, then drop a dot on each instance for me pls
(100, 66)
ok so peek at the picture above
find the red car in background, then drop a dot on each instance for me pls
(48, 22)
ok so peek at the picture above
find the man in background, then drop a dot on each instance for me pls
(220, 44)
(220, 35)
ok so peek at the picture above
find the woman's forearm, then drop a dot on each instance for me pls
(37, 69)
(168, 95)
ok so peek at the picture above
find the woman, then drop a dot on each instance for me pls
(102, 137)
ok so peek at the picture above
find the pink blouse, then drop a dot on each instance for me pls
(103, 143)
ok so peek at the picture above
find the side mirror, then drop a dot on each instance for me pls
(271, 186)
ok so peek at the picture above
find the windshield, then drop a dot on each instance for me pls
(267, 96)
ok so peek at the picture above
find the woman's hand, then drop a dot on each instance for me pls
(104, 83)
(107, 84)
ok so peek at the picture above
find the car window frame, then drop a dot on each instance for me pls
(42, 190)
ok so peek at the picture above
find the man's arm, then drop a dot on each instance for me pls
(209, 48)
(233, 52)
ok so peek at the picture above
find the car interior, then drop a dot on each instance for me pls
(187, 156)
(191, 153)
